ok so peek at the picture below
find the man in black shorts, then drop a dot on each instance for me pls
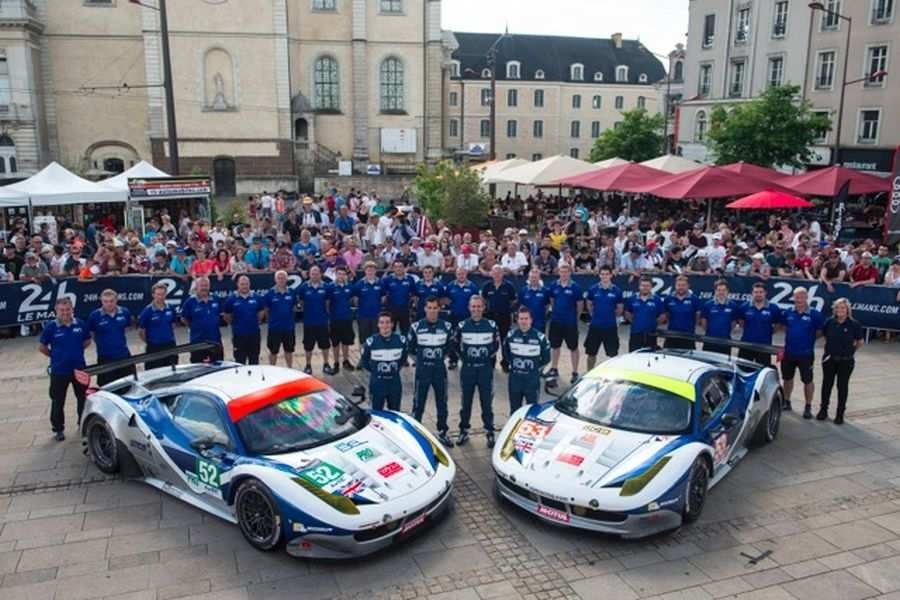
(567, 300)
(803, 324)
(605, 303)
(315, 295)
(341, 324)
(280, 302)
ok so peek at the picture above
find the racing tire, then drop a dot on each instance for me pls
(102, 445)
(767, 429)
(257, 515)
(697, 486)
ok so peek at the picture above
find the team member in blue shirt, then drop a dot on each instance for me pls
(536, 298)
(681, 308)
(314, 295)
(567, 300)
(201, 313)
(430, 341)
(477, 341)
(400, 289)
(500, 297)
(383, 355)
(803, 325)
(108, 325)
(63, 340)
(717, 318)
(645, 311)
(759, 318)
(155, 327)
(526, 351)
(340, 310)
(428, 287)
(368, 293)
(605, 304)
(280, 302)
(243, 311)
(459, 291)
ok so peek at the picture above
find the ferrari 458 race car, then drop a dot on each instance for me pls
(284, 456)
(633, 446)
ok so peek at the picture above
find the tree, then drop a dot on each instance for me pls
(773, 130)
(636, 138)
(447, 192)
(429, 187)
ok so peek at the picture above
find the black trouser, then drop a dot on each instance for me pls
(162, 362)
(59, 385)
(503, 321)
(841, 369)
(104, 378)
(761, 358)
(246, 348)
(211, 355)
(636, 341)
(400, 315)
(366, 329)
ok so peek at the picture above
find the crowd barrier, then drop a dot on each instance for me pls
(874, 306)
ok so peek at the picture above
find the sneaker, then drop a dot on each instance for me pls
(552, 373)
(490, 439)
(307, 369)
(822, 415)
(807, 412)
(786, 406)
(59, 436)
(444, 438)
(347, 366)
(839, 420)
(327, 369)
(463, 438)
(574, 378)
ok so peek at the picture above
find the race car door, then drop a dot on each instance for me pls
(721, 429)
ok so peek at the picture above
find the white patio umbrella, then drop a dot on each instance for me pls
(671, 163)
(543, 172)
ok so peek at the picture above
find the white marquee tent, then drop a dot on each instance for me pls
(671, 163)
(611, 162)
(10, 199)
(543, 172)
(55, 185)
(141, 170)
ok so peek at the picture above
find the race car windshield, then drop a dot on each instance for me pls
(300, 423)
(626, 405)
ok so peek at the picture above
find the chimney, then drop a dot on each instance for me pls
(617, 39)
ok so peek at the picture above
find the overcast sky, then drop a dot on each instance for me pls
(659, 24)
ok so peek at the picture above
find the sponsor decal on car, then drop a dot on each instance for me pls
(586, 441)
(355, 487)
(535, 430)
(301, 528)
(204, 478)
(367, 454)
(658, 505)
(553, 513)
(349, 445)
(413, 523)
(570, 459)
(390, 469)
(720, 449)
(597, 429)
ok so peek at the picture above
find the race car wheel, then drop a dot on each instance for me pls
(695, 497)
(258, 515)
(767, 430)
(102, 445)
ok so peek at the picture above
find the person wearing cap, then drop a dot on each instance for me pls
(428, 287)
(864, 273)
(156, 327)
(368, 293)
(258, 256)
(64, 341)
(832, 270)
(429, 258)
(645, 311)
(633, 263)
(430, 342)
(383, 355)
(681, 308)
(280, 304)
(759, 267)
(500, 297)
(718, 317)
(758, 319)
(314, 296)
(803, 324)
(525, 352)
(605, 304)
(201, 312)
(459, 292)
(34, 270)
(476, 342)
(408, 257)
(400, 290)
(243, 311)
(179, 264)
(108, 326)
(467, 259)
(340, 312)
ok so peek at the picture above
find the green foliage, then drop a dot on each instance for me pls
(429, 187)
(445, 191)
(772, 130)
(236, 208)
(198, 171)
(637, 138)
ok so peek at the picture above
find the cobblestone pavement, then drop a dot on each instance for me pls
(822, 504)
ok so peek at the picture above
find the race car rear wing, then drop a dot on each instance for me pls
(761, 348)
(131, 361)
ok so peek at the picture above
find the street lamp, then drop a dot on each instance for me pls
(666, 148)
(840, 112)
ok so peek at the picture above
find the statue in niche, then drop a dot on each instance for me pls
(219, 101)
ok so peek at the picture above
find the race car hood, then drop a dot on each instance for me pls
(383, 461)
(548, 447)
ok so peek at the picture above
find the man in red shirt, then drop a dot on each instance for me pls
(864, 273)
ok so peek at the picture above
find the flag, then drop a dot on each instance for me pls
(892, 213)
(423, 227)
(840, 205)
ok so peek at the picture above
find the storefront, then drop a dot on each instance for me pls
(151, 196)
(874, 161)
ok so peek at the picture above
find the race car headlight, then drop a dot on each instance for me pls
(342, 504)
(509, 445)
(436, 450)
(634, 485)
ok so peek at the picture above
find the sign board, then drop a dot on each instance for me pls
(374, 170)
(398, 140)
(877, 160)
(159, 188)
(821, 156)
(345, 168)
(478, 149)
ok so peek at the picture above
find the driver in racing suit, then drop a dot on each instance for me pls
(382, 356)
(477, 341)
(430, 340)
(525, 352)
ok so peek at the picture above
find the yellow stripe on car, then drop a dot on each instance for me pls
(679, 388)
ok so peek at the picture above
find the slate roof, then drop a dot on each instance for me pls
(555, 54)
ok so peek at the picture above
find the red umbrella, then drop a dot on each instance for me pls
(621, 178)
(828, 182)
(742, 168)
(708, 182)
(770, 200)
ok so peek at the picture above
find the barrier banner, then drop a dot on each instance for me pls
(22, 303)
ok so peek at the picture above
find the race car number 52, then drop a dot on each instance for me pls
(322, 474)
(207, 473)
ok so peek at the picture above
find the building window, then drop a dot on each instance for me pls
(622, 74)
(513, 69)
(882, 11)
(573, 152)
(324, 5)
(453, 128)
(391, 84)
(642, 78)
(700, 127)
(825, 70)
(536, 157)
(779, 24)
(617, 125)
(595, 129)
(512, 128)
(453, 99)
(485, 128)
(537, 129)
(598, 76)
(736, 89)
(705, 86)
(876, 62)
(539, 74)
(679, 71)
(597, 101)
(538, 98)
(709, 31)
(486, 97)
(830, 19)
(742, 29)
(8, 154)
(327, 94)
(510, 155)
(485, 73)
(641, 102)
(822, 134)
(869, 125)
(5, 97)
(575, 129)
(576, 72)
(512, 97)
(392, 6)
(576, 101)
(776, 71)
(454, 69)
(620, 102)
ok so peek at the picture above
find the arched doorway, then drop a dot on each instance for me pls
(301, 129)
(114, 165)
(224, 176)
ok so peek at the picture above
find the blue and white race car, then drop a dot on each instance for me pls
(283, 455)
(633, 447)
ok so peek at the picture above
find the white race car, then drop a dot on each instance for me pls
(632, 448)
(283, 455)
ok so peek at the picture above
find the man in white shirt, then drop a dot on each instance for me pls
(513, 261)
(467, 259)
(430, 258)
(715, 253)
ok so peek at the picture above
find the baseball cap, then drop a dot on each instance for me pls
(31, 255)
(867, 255)
(467, 249)
(331, 252)
(758, 256)
(523, 232)
(171, 243)
(307, 200)
(428, 245)
(636, 249)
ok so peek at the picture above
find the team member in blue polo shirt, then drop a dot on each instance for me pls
(644, 310)
(400, 289)
(314, 296)
(536, 298)
(681, 308)
(803, 325)
(459, 291)
(368, 294)
(201, 313)
(243, 311)
(428, 287)
(340, 310)
(383, 356)
(155, 327)
(717, 318)
(280, 303)
(605, 304)
(63, 340)
(500, 297)
(759, 318)
(108, 325)
(567, 300)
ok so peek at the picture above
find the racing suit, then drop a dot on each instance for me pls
(526, 353)
(477, 343)
(430, 343)
(382, 358)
